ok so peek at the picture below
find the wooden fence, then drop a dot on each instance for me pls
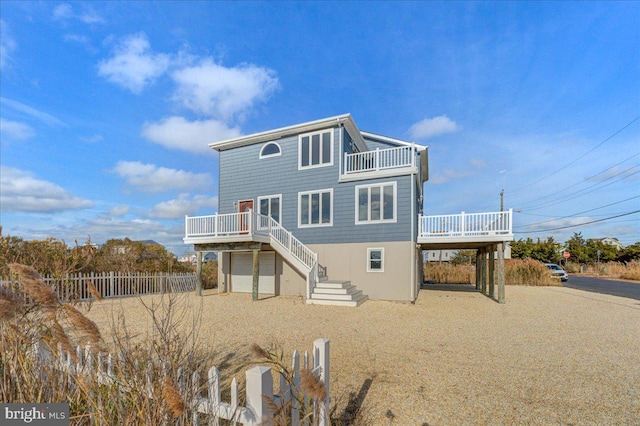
(259, 389)
(113, 284)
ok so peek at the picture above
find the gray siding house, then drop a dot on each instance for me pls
(320, 210)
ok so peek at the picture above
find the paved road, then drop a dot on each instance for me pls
(597, 285)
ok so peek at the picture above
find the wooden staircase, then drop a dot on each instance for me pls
(336, 293)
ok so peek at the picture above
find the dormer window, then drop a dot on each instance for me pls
(271, 149)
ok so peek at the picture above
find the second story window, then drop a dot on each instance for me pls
(315, 149)
(376, 203)
(315, 208)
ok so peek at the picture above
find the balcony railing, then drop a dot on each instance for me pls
(224, 225)
(380, 159)
(467, 225)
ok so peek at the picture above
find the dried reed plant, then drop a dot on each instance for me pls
(308, 395)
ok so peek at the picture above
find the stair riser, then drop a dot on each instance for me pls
(353, 296)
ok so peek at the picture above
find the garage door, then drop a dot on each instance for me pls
(242, 272)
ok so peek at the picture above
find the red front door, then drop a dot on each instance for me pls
(244, 206)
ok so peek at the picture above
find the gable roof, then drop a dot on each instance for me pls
(339, 120)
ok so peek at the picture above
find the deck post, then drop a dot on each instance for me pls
(483, 288)
(478, 268)
(198, 273)
(492, 275)
(501, 277)
(256, 273)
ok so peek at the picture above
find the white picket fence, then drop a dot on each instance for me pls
(259, 387)
(114, 284)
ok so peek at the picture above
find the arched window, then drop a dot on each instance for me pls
(271, 149)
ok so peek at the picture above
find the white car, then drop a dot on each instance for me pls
(557, 271)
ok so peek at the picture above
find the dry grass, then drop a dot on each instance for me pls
(617, 270)
(446, 273)
(143, 391)
(517, 272)
(152, 368)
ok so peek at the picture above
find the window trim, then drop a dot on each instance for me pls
(381, 186)
(314, 166)
(269, 197)
(369, 251)
(277, 154)
(315, 191)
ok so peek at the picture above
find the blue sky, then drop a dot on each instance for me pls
(107, 107)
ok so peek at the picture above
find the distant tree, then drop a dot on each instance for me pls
(607, 252)
(128, 256)
(49, 256)
(547, 251)
(463, 257)
(630, 253)
(577, 246)
(521, 249)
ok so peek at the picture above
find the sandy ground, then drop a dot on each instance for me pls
(550, 355)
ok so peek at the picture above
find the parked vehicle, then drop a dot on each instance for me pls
(557, 271)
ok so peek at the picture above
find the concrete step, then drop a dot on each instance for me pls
(332, 284)
(348, 289)
(350, 296)
(350, 303)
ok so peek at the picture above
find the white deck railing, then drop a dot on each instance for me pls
(222, 225)
(379, 159)
(466, 225)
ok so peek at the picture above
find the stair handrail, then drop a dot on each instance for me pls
(303, 253)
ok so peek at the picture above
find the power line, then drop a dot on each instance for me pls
(565, 199)
(580, 157)
(584, 180)
(580, 224)
(582, 212)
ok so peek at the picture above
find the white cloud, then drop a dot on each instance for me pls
(32, 112)
(134, 65)
(7, 45)
(183, 205)
(119, 211)
(92, 139)
(224, 93)
(151, 178)
(64, 12)
(430, 127)
(447, 175)
(15, 130)
(21, 191)
(477, 163)
(192, 136)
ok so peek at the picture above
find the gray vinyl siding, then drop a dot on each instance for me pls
(244, 176)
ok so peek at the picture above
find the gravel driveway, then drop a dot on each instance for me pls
(550, 355)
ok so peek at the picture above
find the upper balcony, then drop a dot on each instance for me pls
(380, 163)
(465, 229)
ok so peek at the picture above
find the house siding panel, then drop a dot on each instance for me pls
(244, 176)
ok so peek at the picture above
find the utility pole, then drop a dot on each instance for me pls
(502, 200)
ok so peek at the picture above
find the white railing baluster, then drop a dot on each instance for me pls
(466, 224)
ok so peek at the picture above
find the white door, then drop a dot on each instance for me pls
(242, 273)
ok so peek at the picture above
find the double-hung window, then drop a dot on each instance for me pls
(315, 149)
(375, 260)
(376, 203)
(271, 205)
(315, 208)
